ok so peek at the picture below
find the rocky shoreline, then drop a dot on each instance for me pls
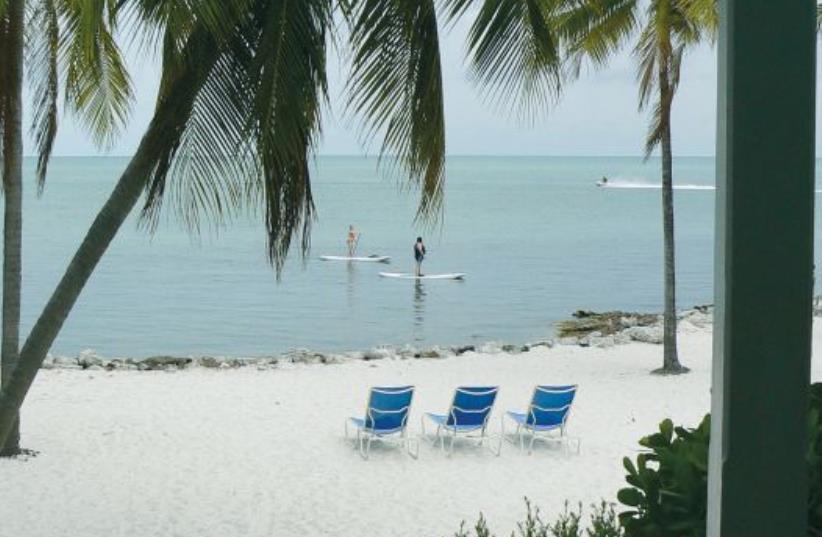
(90, 360)
(586, 329)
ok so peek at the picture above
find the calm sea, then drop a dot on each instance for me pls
(537, 238)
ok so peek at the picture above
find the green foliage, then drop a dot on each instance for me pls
(669, 483)
(604, 522)
(396, 86)
(533, 525)
(480, 529)
(814, 457)
(567, 523)
(668, 493)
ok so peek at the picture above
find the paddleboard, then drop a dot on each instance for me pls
(408, 276)
(368, 259)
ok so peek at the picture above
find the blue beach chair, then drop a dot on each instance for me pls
(546, 417)
(386, 419)
(468, 416)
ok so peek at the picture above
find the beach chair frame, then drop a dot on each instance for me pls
(536, 432)
(365, 435)
(452, 432)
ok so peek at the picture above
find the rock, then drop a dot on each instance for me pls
(603, 342)
(569, 340)
(645, 334)
(606, 323)
(305, 356)
(490, 347)
(462, 349)
(377, 353)
(429, 353)
(622, 338)
(163, 362)
(628, 322)
(64, 362)
(115, 363)
(510, 349)
(548, 343)
(700, 319)
(48, 362)
(209, 361)
(709, 308)
(88, 358)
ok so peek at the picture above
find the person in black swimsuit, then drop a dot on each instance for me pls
(419, 255)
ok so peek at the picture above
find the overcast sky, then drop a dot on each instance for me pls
(596, 116)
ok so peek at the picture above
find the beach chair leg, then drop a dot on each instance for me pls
(531, 445)
(361, 447)
(502, 426)
(451, 447)
(416, 453)
(368, 447)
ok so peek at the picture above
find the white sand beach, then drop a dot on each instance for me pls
(259, 453)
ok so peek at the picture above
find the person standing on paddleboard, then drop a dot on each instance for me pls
(419, 255)
(352, 240)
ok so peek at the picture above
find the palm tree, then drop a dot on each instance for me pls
(238, 115)
(666, 30)
(11, 112)
(96, 90)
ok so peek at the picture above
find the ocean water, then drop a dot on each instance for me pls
(536, 237)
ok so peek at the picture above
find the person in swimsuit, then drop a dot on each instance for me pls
(352, 240)
(419, 255)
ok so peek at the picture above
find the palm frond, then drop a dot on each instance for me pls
(151, 22)
(704, 16)
(672, 28)
(818, 16)
(395, 86)
(98, 87)
(288, 80)
(515, 52)
(594, 30)
(44, 36)
(249, 121)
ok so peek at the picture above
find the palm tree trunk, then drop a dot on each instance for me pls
(13, 208)
(670, 355)
(171, 113)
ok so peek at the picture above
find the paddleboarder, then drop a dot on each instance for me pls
(419, 255)
(352, 240)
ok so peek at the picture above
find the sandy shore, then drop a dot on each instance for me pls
(205, 453)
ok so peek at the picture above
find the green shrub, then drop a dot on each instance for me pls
(604, 521)
(567, 524)
(668, 496)
(668, 493)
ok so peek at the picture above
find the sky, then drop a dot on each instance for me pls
(597, 114)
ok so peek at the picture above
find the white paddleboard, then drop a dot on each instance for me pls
(408, 276)
(368, 259)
